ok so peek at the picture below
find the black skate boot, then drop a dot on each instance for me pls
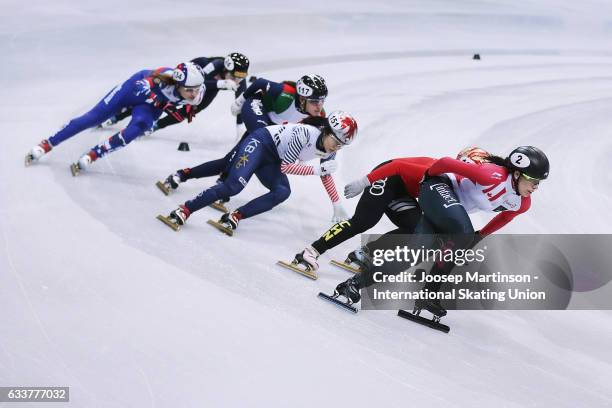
(350, 290)
(432, 306)
(356, 261)
(360, 257)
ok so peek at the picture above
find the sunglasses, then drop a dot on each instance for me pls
(316, 101)
(532, 180)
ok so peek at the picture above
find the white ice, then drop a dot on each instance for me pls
(97, 295)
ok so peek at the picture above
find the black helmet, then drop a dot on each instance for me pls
(237, 62)
(530, 161)
(311, 87)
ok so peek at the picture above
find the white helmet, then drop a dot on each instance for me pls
(187, 75)
(343, 125)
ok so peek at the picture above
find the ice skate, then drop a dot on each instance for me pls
(169, 184)
(83, 163)
(432, 306)
(107, 123)
(227, 223)
(356, 261)
(304, 263)
(37, 152)
(348, 289)
(177, 218)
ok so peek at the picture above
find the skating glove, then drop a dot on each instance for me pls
(227, 84)
(340, 213)
(237, 105)
(354, 188)
(172, 110)
(191, 112)
(325, 168)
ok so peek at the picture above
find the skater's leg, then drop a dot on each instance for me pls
(143, 117)
(251, 155)
(278, 184)
(370, 208)
(98, 114)
(119, 97)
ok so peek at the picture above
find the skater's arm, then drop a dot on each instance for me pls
(483, 174)
(330, 188)
(505, 217)
(261, 85)
(289, 162)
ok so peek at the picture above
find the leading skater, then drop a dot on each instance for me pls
(450, 190)
(148, 93)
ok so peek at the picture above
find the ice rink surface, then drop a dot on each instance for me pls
(97, 295)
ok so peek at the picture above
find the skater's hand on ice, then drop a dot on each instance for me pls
(237, 105)
(354, 188)
(227, 84)
(325, 168)
(340, 213)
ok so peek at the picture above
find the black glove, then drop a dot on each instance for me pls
(171, 110)
(191, 112)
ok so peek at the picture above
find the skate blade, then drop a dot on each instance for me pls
(221, 228)
(218, 206)
(168, 222)
(337, 302)
(162, 187)
(345, 266)
(423, 321)
(308, 274)
(28, 160)
(75, 169)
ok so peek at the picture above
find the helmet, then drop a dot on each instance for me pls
(530, 161)
(473, 155)
(343, 125)
(311, 87)
(237, 63)
(187, 75)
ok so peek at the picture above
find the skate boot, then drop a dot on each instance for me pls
(180, 215)
(177, 218)
(227, 223)
(83, 162)
(230, 220)
(108, 123)
(38, 151)
(433, 306)
(308, 258)
(360, 257)
(349, 289)
(170, 183)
